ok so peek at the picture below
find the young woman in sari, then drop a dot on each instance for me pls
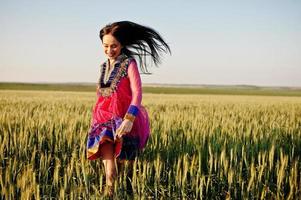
(120, 124)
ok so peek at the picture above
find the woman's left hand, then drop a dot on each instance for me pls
(125, 127)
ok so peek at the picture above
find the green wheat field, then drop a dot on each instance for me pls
(202, 146)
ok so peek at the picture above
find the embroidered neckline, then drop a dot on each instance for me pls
(108, 75)
(119, 71)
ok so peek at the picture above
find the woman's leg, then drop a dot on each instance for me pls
(107, 154)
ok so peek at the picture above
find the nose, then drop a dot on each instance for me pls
(110, 49)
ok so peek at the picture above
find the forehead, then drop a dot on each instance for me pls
(109, 39)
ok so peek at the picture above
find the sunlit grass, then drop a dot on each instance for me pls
(202, 146)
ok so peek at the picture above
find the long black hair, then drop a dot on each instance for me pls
(137, 40)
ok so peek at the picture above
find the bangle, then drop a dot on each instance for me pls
(129, 117)
(133, 110)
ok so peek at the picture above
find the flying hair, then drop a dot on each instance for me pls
(137, 41)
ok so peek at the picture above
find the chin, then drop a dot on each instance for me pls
(111, 57)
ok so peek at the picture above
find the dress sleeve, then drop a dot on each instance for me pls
(136, 88)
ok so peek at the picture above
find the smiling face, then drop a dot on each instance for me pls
(112, 48)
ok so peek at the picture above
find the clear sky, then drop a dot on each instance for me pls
(254, 42)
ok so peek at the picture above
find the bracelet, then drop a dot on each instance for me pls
(133, 110)
(129, 117)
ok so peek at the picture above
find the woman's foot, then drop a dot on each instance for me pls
(109, 192)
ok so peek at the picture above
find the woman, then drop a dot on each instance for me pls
(120, 124)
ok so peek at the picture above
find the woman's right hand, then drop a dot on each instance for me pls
(125, 127)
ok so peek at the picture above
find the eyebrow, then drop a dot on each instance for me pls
(108, 44)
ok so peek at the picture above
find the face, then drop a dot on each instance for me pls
(111, 46)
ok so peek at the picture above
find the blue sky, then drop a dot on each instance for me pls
(212, 42)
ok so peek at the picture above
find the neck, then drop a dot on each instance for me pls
(111, 61)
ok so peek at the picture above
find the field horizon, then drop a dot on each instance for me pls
(164, 88)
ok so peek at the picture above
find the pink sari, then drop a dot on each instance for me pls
(122, 91)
